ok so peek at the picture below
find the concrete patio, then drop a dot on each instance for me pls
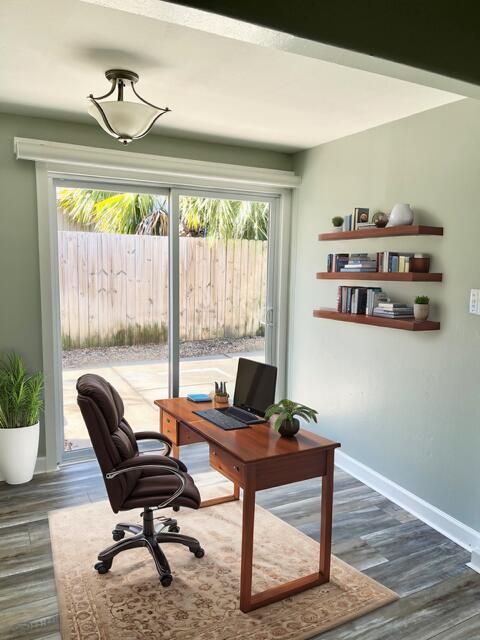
(140, 383)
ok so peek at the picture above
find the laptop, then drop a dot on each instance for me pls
(254, 393)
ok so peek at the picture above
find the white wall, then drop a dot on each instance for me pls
(405, 404)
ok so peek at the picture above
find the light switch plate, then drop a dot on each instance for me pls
(475, 301)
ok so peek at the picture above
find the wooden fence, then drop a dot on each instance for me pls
(114, 288)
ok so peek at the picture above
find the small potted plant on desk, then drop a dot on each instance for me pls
(285, 411)
(220, 396)
(20, 407)
(421, 308)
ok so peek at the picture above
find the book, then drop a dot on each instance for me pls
(407, 313)
(199, 397)
(394, 305)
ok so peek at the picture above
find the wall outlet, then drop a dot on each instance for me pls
(475, 301)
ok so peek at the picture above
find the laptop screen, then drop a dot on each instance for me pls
(255, 386)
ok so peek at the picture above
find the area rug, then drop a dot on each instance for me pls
(128, 603)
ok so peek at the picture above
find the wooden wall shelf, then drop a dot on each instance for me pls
(379, 275)
(391, 323)
(386, 232)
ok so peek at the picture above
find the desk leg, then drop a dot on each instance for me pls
(326, 518)
(247, 548)
(176, 451)
(249, 601)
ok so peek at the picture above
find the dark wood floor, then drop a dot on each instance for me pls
(440, 596)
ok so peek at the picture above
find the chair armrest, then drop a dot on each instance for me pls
(151, 462)
(155, 435)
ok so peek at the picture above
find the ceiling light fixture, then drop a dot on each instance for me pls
(124, 120)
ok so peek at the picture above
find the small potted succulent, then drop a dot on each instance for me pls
(337, 222)
(421, 308)
(285, 421)
(221, 396)
(20, 406)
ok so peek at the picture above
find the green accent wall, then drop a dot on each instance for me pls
(436, 35)
(404, 404)
(20, 321)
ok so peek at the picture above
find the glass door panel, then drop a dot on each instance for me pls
(223, 288)
(114, 300)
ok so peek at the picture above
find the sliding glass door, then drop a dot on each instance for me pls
(160, 292)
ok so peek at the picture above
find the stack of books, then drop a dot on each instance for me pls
(347, 223)
(336, 261)
(392, 262)
(366, 225)
(360, 263)
(393, 310)
(359, 300)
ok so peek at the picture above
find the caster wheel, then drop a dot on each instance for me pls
(176, 508)
(198, 553)
(166, 580)
(174, 528)
(118, 534)
(103, 567)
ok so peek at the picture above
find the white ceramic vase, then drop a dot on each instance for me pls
(18, 453)
(401, 214)
(421, 311)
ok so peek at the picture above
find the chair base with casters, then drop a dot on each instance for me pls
(151, 537)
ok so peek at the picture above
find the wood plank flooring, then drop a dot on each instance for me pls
(440, 595)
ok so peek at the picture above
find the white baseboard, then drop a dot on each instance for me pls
(40, 466)
(475, 561)
(448, 526)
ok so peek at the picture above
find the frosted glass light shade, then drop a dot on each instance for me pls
(129, 120)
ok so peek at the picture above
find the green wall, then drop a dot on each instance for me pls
(405, 404)
(20, 323)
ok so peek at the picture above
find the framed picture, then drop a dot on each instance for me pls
(361, 215)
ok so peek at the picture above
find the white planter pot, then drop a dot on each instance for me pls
(18, 453)
(421, 311)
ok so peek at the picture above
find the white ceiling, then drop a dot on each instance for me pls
(53, 53)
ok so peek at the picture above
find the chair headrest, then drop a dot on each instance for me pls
(104, 396)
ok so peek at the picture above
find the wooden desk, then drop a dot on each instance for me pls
(253, 459)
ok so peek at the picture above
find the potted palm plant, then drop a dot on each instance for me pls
(20, 406)
(285, 421)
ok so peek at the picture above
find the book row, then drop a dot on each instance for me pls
(370, 301)
(384, 262)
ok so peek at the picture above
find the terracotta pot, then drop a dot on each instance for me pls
(420, 265)
(288, 429)
(421, 311)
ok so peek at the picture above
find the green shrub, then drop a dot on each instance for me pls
(422, 300)
(337, 221)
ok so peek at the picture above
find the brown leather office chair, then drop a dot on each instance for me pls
(150, 481)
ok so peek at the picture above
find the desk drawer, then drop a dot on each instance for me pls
(226, 464)
(169, 427)
(187, 436)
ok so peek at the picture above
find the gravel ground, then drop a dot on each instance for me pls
(98, 355)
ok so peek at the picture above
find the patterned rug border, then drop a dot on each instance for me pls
(385, 595)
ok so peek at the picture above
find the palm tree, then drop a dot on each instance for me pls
(137, 213)
(225, 219)
(113, 212)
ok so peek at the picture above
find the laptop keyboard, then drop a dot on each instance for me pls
(235, 412)
(220, 419)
